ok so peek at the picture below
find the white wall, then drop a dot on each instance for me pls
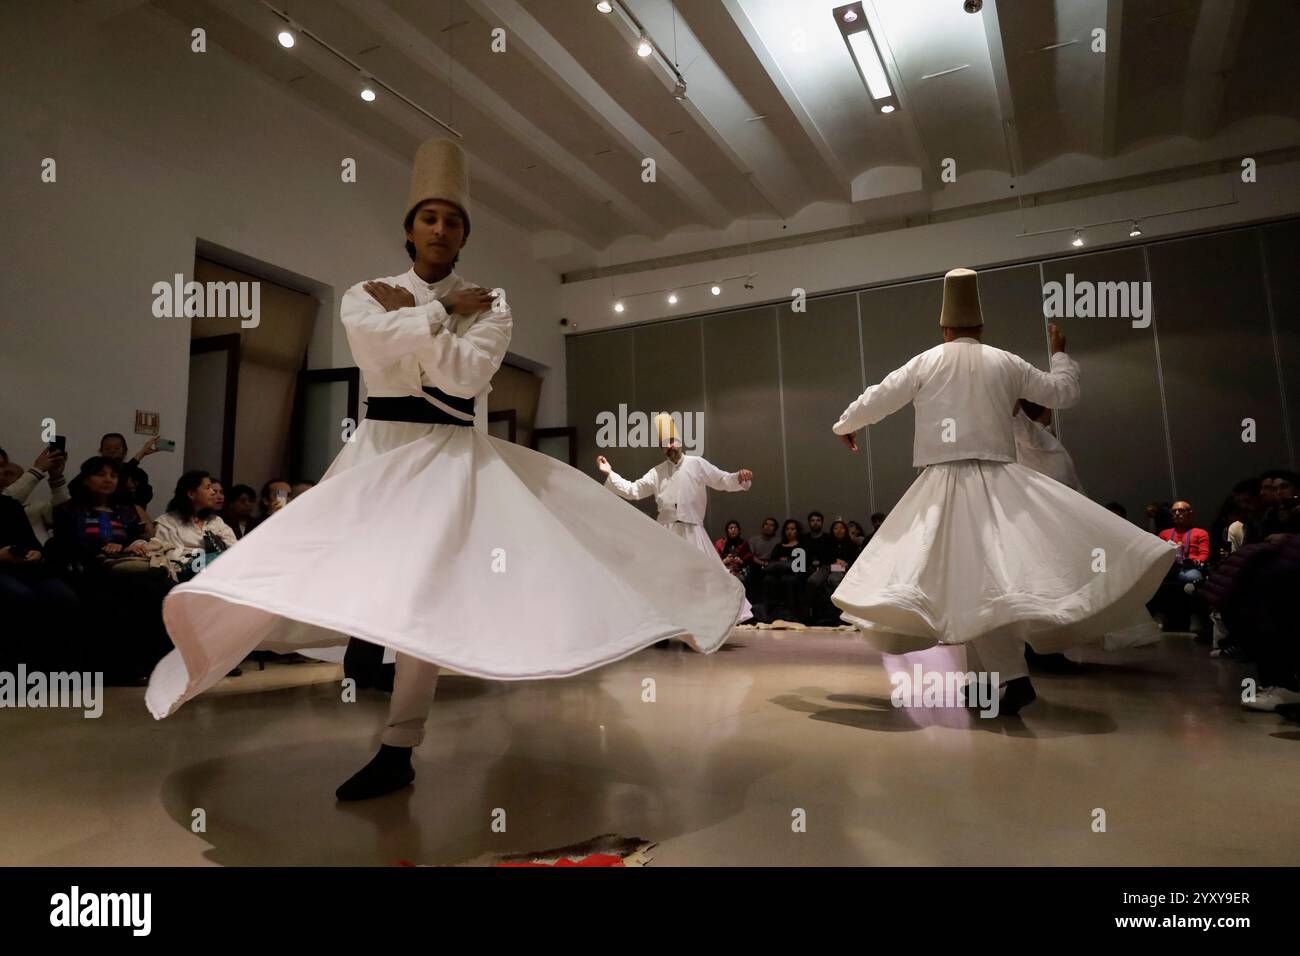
(157, 147)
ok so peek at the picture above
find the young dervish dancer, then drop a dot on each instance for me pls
(983, 551)
(427, 535)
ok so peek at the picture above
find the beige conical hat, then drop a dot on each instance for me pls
(666, 427)
(439, 172)
(961, 300)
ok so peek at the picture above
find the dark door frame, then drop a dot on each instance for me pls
(230, 345)
(315, 376)
(562, 431)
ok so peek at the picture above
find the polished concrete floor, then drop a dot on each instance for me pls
(714, 769)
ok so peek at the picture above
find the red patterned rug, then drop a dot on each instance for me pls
(608, 849)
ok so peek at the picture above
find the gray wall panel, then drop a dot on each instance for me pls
(897, 322)
(599, 376)
(1116, 434)
(1281, 251)
(1216, 348)
(821, 373)
(743, 416)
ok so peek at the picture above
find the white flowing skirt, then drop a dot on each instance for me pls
(980, 548)
(456, 548)
(699, 538)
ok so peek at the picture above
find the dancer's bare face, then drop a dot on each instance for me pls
(437, 232)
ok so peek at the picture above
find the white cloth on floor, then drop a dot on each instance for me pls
(989, 547)
(443, 543)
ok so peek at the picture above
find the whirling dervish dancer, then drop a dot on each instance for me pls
(980, 550)
(680, 485)
(427, 535)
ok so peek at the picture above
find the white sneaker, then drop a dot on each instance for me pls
(1268, 698)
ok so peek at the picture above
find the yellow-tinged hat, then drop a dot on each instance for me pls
(666, 428)
(961, 300)
(440, 171)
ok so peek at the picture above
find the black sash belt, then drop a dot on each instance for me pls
(408, 408)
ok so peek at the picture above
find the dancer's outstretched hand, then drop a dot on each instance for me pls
(851, 440)
(745, 474)
(603, 464)
(1056, 337)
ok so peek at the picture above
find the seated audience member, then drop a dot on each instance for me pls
(735, 552)
(239, 509)
(275, 495)
(192, 529)
(857, 535)
(102, 542)
(760, 546)
(1238, 512)
(37, 608)
(877, 520)
(1188, 570)
(786, 570)
(839, 553)
(1278, 490)
(816, 540)
(299, 488)
(1158, 517)
(19, 485)
(137, 490)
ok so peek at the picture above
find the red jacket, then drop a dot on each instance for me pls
(1194, 543)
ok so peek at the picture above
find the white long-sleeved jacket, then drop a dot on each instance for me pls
(963, 392)
(680, 490)
(402, 351)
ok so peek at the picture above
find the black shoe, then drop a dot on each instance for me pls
(1052, 663)
(1019, 693)
(388, 770)
(1288, 711)
(237, 672)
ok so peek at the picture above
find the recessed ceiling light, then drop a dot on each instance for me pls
(886, 108)
(605, 6)
(672, 298)
(286, 39)
(618, 306)
(1078, 238)
(716, 290)
(850, 16)
(1135, 231)
(368, 94)
(643, 49)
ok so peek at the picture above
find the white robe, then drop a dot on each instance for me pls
(1039, 449)
(442, 542)
(681, 493)
(981, 546)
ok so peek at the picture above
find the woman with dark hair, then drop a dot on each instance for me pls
(786, 570)
(96, 526)
(735, 552)
(192, 525)
(102, 541)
